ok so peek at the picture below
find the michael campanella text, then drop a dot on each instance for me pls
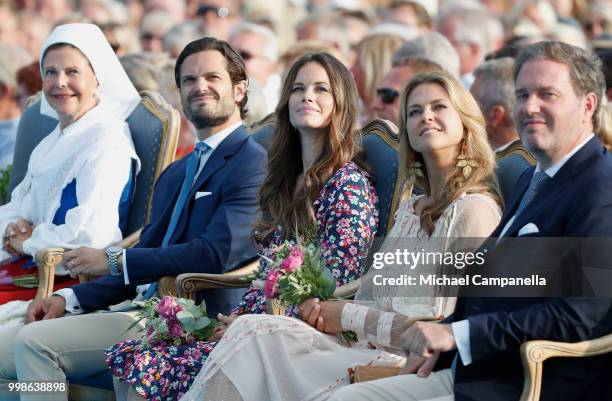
(444, 280)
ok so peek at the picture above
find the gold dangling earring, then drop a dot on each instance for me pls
(465, 163)
(415, 171)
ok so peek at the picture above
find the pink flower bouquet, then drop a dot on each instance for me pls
(174, 321)
(296, 274)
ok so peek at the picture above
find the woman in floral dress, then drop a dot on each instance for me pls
(444, 149)
(315, 179)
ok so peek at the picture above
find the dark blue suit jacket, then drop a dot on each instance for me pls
(213, 234)
(576, 202)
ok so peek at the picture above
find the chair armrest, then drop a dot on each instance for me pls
(188, 284)
(47, 260)
(534, 353)
(131, 240)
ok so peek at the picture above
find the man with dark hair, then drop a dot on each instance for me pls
(475, 351)
(203, 209)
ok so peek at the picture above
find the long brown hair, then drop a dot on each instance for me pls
(474, 146)
(280, 204)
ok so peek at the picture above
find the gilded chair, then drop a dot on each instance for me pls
(534, 353)
(381, 144)
(154, 126)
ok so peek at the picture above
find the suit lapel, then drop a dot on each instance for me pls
(227, 148)
(550, 190)
(510, 209)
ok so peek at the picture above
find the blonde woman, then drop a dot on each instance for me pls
(444, 149)
(373, 61)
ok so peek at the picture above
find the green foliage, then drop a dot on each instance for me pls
(5, 176)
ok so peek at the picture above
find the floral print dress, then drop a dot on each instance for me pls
(346, 213)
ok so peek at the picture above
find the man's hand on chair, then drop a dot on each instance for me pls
(46, 308)
(86, 260)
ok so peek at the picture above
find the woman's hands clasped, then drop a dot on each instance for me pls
(224, 324)
(324, 316)
(15, 235)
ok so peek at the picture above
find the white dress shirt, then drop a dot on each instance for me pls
(461, 329)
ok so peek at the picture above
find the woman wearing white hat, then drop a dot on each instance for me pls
(80, 177)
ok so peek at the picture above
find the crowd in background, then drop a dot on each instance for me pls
(270, 35)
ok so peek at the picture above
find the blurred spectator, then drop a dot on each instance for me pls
(95, 11)
(493, 89)
(356, 29)
(281, 16)
(135, 13)
(606, 58)
(29, 82)
(143, 70)
(431, 52)
(409, 13)
(33, 29)
(432, 47)
(168, 89)
(565, 11)
(174, 8)
(330, 28)
(52, 10)
(179, 36)
(256, 105)
(473, 34)
(218, 16)
(154, 26)
(8, 27)
(373, 61)
(387, 100)
(258, 47)
(13, 58)
(568, 34)
(537, 12)
(122, 39)
(598, 19)
(118, 13)
(307, 46)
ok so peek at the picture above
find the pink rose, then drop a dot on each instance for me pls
(293, 261)
(271, 285)
(168, 308)
(175, 329)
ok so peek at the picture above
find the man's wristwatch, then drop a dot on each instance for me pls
(113, 253)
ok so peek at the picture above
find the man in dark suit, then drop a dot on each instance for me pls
(202, 213)
(475, 352)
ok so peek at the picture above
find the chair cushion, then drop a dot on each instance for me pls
(101, 380)
(147, 134)
(33, 127)
(383, 159)
(264, 135)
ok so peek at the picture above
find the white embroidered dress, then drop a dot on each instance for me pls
(276, 358)
(97, 152)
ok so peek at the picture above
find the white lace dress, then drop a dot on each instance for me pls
(264, 357)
